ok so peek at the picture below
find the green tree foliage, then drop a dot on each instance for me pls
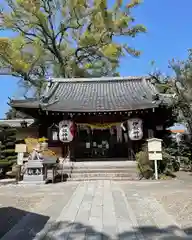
(65, 38)
(8, 139)
(163, 82)
(180, 86)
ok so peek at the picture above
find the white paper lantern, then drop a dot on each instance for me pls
(135, 126)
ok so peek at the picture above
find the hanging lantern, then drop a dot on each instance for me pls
(135, 126)
(54, 132)
(67, 131)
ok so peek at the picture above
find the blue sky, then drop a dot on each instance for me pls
(169, 36)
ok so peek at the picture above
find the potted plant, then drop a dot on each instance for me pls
(43, 143)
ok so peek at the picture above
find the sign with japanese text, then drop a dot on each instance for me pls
(135, 129)
(155, 148)
(66, 131)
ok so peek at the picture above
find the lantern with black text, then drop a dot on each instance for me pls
(135, 126)
(67, 131)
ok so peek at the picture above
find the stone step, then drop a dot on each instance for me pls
(104, 164)
(102, 174)
(118, 170)
(99, 167)
(103, 170)
(74, 179)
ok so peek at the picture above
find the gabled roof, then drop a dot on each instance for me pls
(95, 95)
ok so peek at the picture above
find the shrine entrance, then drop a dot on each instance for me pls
(112, 143)
(106, 102)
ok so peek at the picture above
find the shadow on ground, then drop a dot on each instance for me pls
(21, 225)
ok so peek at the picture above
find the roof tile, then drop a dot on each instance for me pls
(106, 94)
(95, 95)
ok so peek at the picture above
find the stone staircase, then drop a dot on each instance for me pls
(106, 170)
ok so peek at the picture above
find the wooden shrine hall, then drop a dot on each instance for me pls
(113, 115)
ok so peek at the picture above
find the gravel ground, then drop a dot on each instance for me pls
(174, 195)
(176, 198)
(16, 201)
(179, 205)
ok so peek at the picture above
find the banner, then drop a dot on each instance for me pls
(100, 125)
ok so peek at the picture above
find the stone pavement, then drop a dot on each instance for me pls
(92, 211)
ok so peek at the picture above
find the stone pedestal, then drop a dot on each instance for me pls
(34, 171)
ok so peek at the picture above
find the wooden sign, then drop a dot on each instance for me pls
(155, 152)
(20, 148)
(154, 145)
(155, 156)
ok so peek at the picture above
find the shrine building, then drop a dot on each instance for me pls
(113, 115)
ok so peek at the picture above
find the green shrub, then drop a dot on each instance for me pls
(144, 165)
(8, 156)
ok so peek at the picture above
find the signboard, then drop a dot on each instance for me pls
(155, 156)
(155, 149)
(154, 145)
(66, 131)
(20, 148)
(155, 152)
(135, 129)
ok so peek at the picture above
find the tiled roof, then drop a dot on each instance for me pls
(98, 95)
(25, 103)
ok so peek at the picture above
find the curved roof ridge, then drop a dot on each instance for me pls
(99, 79)
(98, 94)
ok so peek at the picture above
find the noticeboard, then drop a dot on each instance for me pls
(20, 148)
(155, 156)
(154, 145)
(155, 149)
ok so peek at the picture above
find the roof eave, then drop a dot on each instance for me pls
(99, 79)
